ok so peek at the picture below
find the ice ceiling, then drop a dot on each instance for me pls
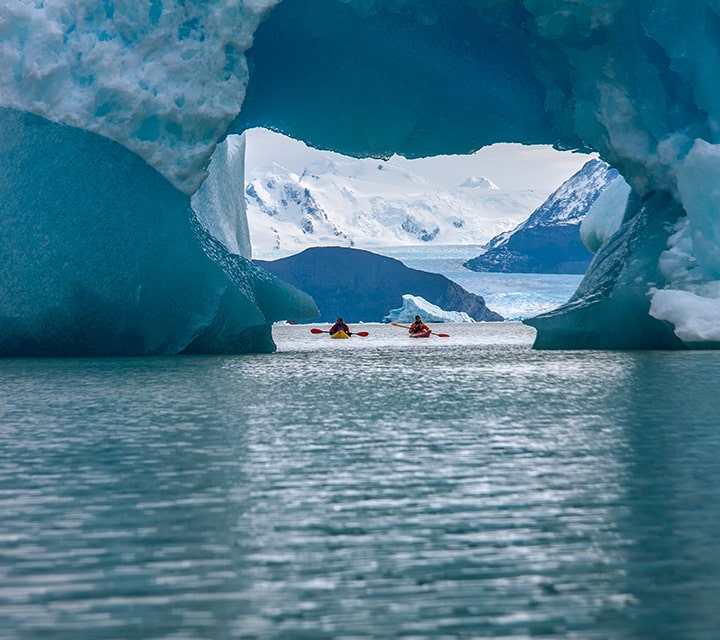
(119, 234)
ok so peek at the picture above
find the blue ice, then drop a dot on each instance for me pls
(111, 116)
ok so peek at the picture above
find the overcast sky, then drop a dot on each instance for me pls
(509, 166)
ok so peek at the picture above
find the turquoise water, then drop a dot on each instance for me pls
(462, 487)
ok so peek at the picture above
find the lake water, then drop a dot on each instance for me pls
(378, 487)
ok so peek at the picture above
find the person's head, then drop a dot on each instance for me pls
(340, 321)
(417, 319)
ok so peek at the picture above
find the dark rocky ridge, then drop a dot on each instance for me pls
(363, 286)
(549, 240)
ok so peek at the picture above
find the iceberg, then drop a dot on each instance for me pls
(418, 306)
(119, 233)
(101, 255)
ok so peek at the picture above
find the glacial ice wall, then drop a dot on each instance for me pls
(163, 79)
(110, 113)
(166, 80)
(101, 255)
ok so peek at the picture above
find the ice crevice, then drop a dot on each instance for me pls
(122, 225)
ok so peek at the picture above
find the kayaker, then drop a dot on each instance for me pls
(418, 326)
(339, 326)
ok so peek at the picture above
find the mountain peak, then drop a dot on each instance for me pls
(549, 240)
(479, 182)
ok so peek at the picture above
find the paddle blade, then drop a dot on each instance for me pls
(395, 324)
(317, 331)
(361, 333)
(442, 335)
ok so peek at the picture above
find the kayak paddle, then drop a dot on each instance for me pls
(354, 333)
(439, 335)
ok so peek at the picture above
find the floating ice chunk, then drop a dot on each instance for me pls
(417, 306)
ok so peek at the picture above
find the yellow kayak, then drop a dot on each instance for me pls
(340, 334)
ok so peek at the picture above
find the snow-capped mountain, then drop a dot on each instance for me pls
(549, 240)
(368, 203)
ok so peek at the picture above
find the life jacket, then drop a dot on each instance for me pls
(417, 327)
(339, 327)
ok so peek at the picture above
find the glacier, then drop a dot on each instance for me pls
(335, 200)
(118, 233)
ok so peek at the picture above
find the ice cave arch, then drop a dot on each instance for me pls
(109, 117)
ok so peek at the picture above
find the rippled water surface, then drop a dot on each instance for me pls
(462, 487)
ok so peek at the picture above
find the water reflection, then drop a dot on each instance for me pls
(468, 488)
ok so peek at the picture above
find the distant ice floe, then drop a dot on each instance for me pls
(417, 306)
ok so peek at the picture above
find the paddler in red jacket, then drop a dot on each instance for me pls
(418, 326)
(339, 326)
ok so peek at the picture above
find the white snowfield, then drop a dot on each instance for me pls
(326, 199)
